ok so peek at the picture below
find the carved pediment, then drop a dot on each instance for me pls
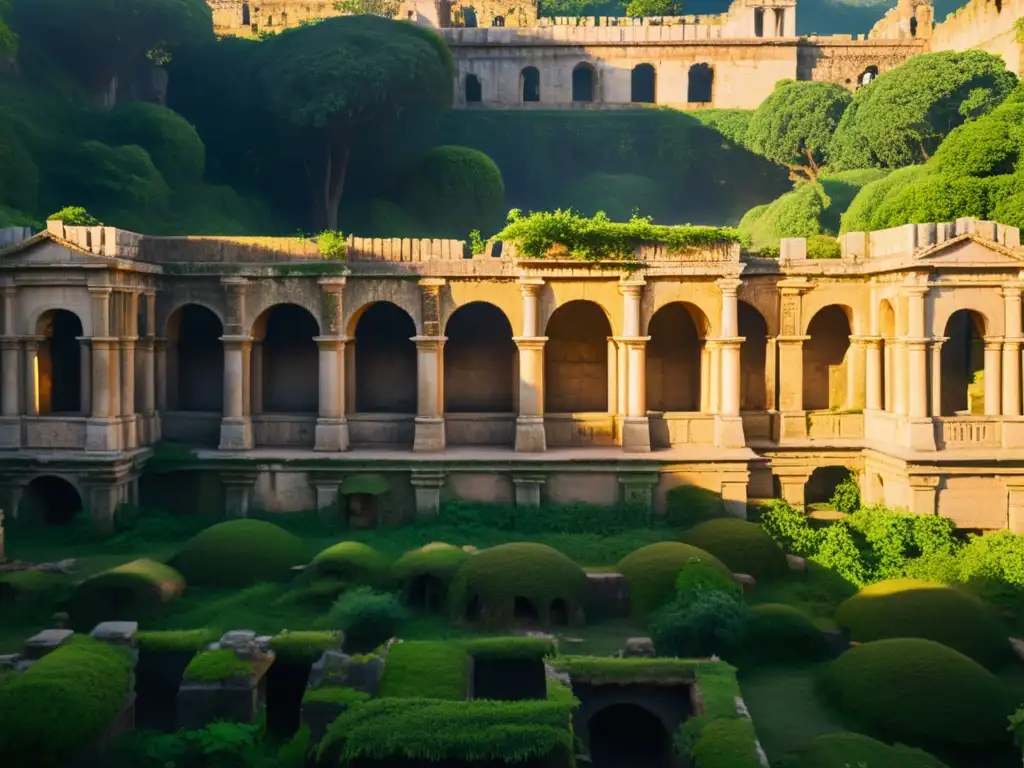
(969, 250)
(43, 250)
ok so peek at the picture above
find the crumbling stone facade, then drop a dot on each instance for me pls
(492, 377)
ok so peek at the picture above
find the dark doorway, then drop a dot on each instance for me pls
(361, 510)
(291, 359)
(426, 592)
(508, 679)
(530, 84)
(643, 84)
(50, 500)
(559, 612)
(759, 22)
(701, 86)
(198, 351)
(821, 485)
(628, 736)
(583, 77)
(60, 363)
(385, 352)
(474, 91)
(524, 612)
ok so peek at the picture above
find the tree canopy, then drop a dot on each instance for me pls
(173, 144)
(794, 125)
(455, 190)
(8, 40)
(638, 9)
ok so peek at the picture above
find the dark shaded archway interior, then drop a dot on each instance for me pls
(629, 736)
(576, 359)
(60, 363)
(673, 358)
(643, 84)
(962, 358)
(753, 354)
(426, 592)
(385, 358)
(474, 90)
(701, 84)
(479, 360)
(530, 82)
(525, 613)
(509, 679)
(583, 83)
(821, 485)
(824, 353)
(50, 500)
(291, 361)
(200, 359)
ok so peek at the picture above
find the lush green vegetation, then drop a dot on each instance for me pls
(652, 570)
(134, 590)
(214, 666)
(239, 553)
(425, 669)
(856, 749)
(742, 546)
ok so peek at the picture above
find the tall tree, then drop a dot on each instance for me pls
(794, 125)
(345, 84)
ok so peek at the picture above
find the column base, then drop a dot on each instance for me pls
(427, 484)
(729, 432)
(792, 425)
(129, 431)
(618, 422)
(636, 434)
(10, 432)
(429, 435)
(235, 434)
(102, 435)
(331, 435)
(530, 435)
(920, 434)
(151, 427)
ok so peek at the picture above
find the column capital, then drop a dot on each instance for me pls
(530, 285)
(428, 342)
(1011, 290)
(632, 341)
(530, 342)
(327, 342)
(914, 289)
(993, 343)
(332, 284)
(431, 283)
(923, 481)
(792, 339)
(9, 342)
(240, 339)
(632, 287)
(7, 290)
(100, 290)
(234, 282)
(729, 285)
(794, 286)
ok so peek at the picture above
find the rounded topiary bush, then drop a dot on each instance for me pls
(239, 553)
(652, 571)
(916, 608)
(426, 573)
(856, 749)
(777, 632)
(524, 581)
(919, 690)
(743, 546)
(131, 591)
(354, 563)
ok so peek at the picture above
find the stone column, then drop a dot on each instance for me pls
(873, 395)
(530, 437)
(613, 377)
(917, 355)
(856, 376)
(150, 415)
(728, 424)
(430, 434)
(131, 334)
(900, 376)
(1011, 350)
(31, 369)
(770, 374)
(937, 376)
(236, 424)
(792, 423)
(993, 377)
(160, 373)
(10, 365)
(715, 376)
(705, 377)
(621, 388)
(84, 376)
(332, 426)
(101, 433)
(636, 430)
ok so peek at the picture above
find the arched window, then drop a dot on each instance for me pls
(469, 17)
(868, 75)
(913, 27)
(499, 21)
(474, 91)
(529, 84)
(643, 84)
(583, 77)
(759, 22)
(701, 86)
(245, 14)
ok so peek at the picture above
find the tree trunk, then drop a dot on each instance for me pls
(335, 172)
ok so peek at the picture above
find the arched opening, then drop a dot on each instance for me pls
(245, 14)
(643, 84)
(913, 27)
(868, 75)
(529, 84)
(887, 331)
(361, 511)
(524, 612)
(59, 363)
(999, 6)
(821, 485)
(409, 15)
(700, 87)
(49, 500)
(426, 592)
(474, 609)
(963, 364)
(195, 369)
(576, 359)
(558, 612)
(583, 81)
(288, 360)
(825, 359)
(780, 22)
(479, 360)
(385, 358)
(499, 21)
(474, 91)
(753, 355)
(677, 332)
(469, 17)
(628, 735)
(759, 22)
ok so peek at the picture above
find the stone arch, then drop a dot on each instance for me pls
(753, 358)
(887, 332)
(629, 734)
(195, 359)
(643, 87)
(499, 21)
(529, 84)
(869, 74)
(50, 500)
(962, 359)
(576, 359)
(469, 19)
(58, 374)
(474, 91)
(584, 82)
(384, 353)
(825, 358)
(700, 86)
(479, 360)
(822, 482)
(286, 373)
(677, 332)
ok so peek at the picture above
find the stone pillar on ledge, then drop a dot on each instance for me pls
(530, 436)
(1011, 350)
(636, 430)
(236, 423)
(10, 366)
(332, 425)
(873, 395)
(792, 418)
(101, 429)
(728, 423)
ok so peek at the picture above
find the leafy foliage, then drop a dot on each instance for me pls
(332, 245)
(846, 496)
(696, 577)
(238, 553)
(218, 745)
(743, 546)
(699, 624)
(75, 216)
(687, 505)
(652, 571)
(214, 666)
(175, 640)
(619, 195)
(172, 144)
(368, 618)
(731, 123)
(639, 9)
(112, 178)
(426, 669)
(19, 176)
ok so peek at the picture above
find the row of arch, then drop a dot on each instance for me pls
(586, 84)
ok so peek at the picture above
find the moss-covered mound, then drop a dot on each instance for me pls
(28, 590)
(521, 580)
(62, 703)
(652, 571)
(239, 553)
(353, 562)
(915, 608)
(303, 647)
(855, 749)
(431, 567)
(778, 632)
(132, 591)
(919, 691)
(215, 666)
(428, 669)
(741, 545)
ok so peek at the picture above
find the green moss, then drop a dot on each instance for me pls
(652, 571)
(855, 749)
(64, 701)
(743, 546)
(335, 694)
(303, 647)
(175, 640)
(915, 608)
(495, 577)
(727, 742)
(135, 590)
(239, 553)
(426, 669)
(437, 560)
(214, 666)
(353, 562)
(33, 587)
(919, 690)
(509, 647)
(606, 670)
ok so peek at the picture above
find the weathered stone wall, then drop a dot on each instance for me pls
(909, 19)
(843, 60)
(985, 24)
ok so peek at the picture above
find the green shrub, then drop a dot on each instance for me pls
(215, 666)
(687, 505)
(436, 560)
(862, 214)
(777, 632)
(173, 144)
(426, 669)
(379, 218)
(28, 591)
(823, 247)
(706, 623)
(698, 577)
(913, 608)
(19, 176)
(788, 526)
(619, 195)
(743, 546)
(837, 550)
(913, 689)
(75, 216)
(494, 578)
(63, 702)
(727, 742)
(135, 590)
(993, 566)
(239, 553)
(303, 647)
(175, 640)
(651, 572)
(846, 496)
(855, 749)
(731, 123)
(353, 563)
(367, 618)
(105, 178)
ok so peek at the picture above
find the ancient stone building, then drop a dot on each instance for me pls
(279, 374)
